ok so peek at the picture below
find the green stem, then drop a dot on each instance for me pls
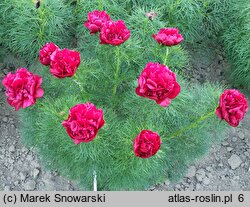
(191, 126)
(77, 81)
(76, 77)
(100, 4)
(145, 27)
(42, 23)
(118, 62)
(170, 14)
(77, 7)
(166, 56)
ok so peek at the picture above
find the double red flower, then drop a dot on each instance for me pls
(111, 32)
(114, 33)
(146, 144)
(168, 37)
(63, 63)
(95, 21)
(22, 88)
(84, 122)
(46, 52)
(159, 83)
(232, 107)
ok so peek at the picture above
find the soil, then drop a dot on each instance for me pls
(225, 168)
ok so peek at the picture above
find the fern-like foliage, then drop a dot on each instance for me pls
(111, 153)
(237, 40)
(25, 28)
(185, 134)
(187, 127)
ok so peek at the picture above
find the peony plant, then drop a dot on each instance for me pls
(98, 116)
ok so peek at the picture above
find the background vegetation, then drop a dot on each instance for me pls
(236, 39)
(25, 29)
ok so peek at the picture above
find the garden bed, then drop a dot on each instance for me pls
(130, 94)
(21, 169)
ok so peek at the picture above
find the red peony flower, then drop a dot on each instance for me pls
(232, 107)
(95, 21)
(159, 83)
(146, 144)
(114, 33)
(168, 36)
(22, 88)
(46, 51)
(83, 122)
(64, 63)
